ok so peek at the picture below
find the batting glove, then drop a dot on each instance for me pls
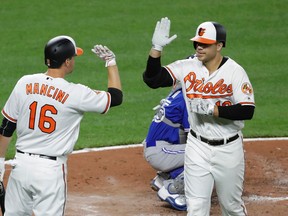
(200, 106)
(161, 34)
(105, 54)
(2, 168)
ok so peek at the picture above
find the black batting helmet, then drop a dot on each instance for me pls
(58, 49)
(210, 33)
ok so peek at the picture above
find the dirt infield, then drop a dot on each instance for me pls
(116, 182)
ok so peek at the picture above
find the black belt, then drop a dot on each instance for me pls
(39, 155)
(214, 142)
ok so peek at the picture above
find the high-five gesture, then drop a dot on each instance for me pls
(161, 34)
(105, 54)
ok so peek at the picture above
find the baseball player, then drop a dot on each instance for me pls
(46, 110)
(164, 147)
(219, 97)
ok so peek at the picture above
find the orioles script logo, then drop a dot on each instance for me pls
(201, 31)
(198, 86)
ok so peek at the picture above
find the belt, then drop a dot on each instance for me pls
(214, 142)
(38, 155)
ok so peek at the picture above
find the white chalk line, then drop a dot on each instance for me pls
(85, 150)
(256, 198)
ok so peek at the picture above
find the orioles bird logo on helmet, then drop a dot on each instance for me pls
(201, 31)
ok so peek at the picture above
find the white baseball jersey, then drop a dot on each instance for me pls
(48, 112)
(228, 85)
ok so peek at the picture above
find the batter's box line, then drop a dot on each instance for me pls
(85, 150)
(256, 198)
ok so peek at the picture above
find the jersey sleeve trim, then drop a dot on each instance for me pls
(171, 74)
(247, 103)
(108, 103)
(8, 117)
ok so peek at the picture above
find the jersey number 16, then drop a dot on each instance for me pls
(46, 123)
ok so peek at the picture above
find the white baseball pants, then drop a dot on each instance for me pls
(206, 165)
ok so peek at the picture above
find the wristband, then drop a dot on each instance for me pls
(157, 47)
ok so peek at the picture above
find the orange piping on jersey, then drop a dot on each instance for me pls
(194, 96)
(8, 117)
(108, 103)
(247, 103)
(48, 91)
(65, 187)
(208, 96)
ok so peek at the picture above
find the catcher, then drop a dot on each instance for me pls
(164, 148)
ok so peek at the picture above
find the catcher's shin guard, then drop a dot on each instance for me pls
(171, 195)
(157, 182)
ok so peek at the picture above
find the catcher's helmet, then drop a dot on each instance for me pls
(58, 49)
(210, 33)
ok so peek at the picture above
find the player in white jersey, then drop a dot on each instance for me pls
(46, 111)
(219, 97)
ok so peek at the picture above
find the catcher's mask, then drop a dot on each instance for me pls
(210, 33)
(58, 49)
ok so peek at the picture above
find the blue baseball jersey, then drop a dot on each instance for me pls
(171, 115)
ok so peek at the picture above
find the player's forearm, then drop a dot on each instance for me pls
(4, 142)
(114, 80)
(114, 86)
(7, 129)
(154, 53)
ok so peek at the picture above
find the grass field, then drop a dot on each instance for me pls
(256, 38)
